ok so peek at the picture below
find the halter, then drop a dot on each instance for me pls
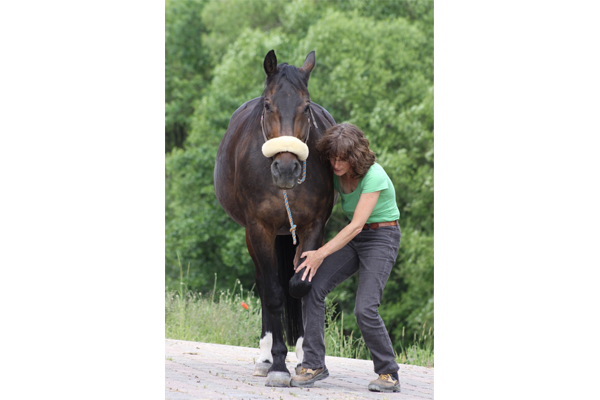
(285, 198)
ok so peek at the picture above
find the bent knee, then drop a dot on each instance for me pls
(316, 295)
(366, 313)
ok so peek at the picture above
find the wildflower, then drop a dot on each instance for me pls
(244, 305)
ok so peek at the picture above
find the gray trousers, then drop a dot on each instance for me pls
(372, 253)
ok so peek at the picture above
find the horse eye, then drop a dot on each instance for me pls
(267, 107)
(306, 109)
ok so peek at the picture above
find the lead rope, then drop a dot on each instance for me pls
(285, 198)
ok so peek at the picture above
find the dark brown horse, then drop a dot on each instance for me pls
(250, 179)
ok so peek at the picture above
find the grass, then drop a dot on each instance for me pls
(219, 317)
(419, 352)
(336, 342)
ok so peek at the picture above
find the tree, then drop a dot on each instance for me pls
(187, 67)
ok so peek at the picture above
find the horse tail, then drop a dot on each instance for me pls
(292, 310)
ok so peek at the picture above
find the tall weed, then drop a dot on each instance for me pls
(336, 342)
(419, 352)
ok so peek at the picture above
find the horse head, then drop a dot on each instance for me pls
(286, 118)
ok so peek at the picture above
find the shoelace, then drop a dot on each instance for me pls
(306, 371)
(386, 377)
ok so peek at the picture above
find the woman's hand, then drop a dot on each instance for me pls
(314, 258)
(312, 263)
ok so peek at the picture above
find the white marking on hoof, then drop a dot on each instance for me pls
(266, 343)
(299, 351)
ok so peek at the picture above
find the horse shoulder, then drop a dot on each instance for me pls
(231, 137)
(246, 106)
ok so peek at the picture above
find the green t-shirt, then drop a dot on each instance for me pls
(375, 180)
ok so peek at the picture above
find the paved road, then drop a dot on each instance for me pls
(212, 371)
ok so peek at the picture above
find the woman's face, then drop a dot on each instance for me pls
(340, 168)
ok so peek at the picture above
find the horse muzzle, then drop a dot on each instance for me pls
(285, 170)
(288, 152)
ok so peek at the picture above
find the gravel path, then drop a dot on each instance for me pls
(212, 371)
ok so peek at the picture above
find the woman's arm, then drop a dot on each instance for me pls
(364, 208)
(336, 195)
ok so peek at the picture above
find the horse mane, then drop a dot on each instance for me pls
(252, 120)
(322, 117)
(289, 73)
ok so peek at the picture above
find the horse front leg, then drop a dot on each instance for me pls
(265, 359)
(271, 294)
(311, 238)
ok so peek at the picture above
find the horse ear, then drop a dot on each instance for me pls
(309, 63)
(270, 63)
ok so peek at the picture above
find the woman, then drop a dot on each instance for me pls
(367, 245)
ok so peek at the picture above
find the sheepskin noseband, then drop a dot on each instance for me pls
(285, 143)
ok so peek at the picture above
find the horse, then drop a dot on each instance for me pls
(269, 144)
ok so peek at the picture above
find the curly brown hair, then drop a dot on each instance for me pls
(347, 142)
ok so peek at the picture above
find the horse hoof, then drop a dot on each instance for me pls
(297, 287)
(278, 379)
(261, 369)
(298, 369)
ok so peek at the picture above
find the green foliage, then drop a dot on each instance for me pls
(187, 66)
(413, 10)
(374, 69)
(197, 228)
(364, 64)
(226, 20)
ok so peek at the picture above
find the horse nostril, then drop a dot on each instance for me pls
(275, 168)
(296, 168)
